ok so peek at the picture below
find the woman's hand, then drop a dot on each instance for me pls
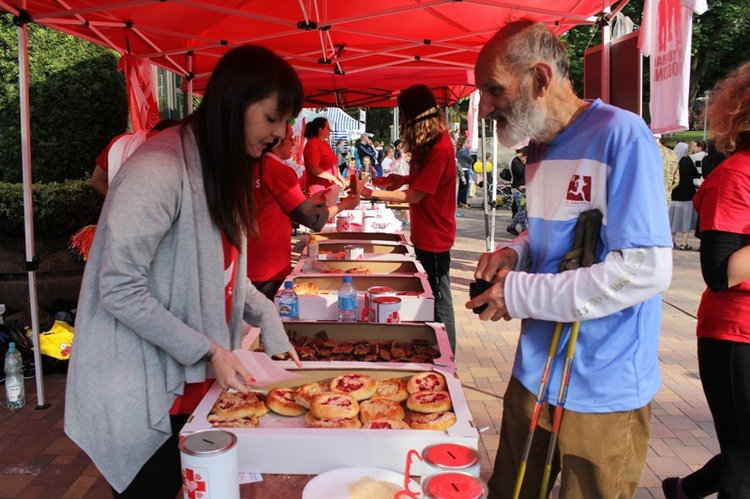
(229, 371)
(383, 182)
(293, 354)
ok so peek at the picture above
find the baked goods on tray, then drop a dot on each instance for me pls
(305, 288)
(331, 405)
(372, 409)
(385, 424)
(391, 389)
(233, 404)
(429, 402)
(435, 421)
(359, 386)
(281, 401)
(314, 422)
(426, 382)
(304, 394)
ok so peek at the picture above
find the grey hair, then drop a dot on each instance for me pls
(527, 42)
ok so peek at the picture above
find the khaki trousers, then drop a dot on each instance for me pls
(598, 455)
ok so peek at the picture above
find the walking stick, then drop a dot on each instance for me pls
(582, 255)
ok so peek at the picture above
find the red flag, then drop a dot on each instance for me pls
(144, 108)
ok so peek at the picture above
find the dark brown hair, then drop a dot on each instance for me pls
(423, 122)
(245, 75)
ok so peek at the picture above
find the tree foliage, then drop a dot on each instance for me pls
(77, 103)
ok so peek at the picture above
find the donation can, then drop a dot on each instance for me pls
(353, 252)
(368, 314)
(450, 456)
(369, 223)
(209, 465)
(387, 309)
(343, 224)
(454, 485)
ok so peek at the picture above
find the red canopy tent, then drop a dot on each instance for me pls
(347, 52)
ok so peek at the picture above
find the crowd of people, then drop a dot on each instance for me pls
(164, 300)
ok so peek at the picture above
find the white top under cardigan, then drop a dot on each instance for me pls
(151, 303)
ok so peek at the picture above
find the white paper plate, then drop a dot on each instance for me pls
(334, 484)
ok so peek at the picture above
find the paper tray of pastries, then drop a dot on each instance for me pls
(371, 250)
(318, 295)
(358, 237)
(288, 445)
(307, 266)
(336, 343)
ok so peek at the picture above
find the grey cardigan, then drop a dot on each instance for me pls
(151, 303)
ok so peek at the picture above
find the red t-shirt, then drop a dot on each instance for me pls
(434, 217)
(319, 153)
(194, 392)
(723, 202)
(276, 194)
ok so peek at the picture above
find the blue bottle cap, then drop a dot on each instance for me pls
(288, 284)
(347, 278)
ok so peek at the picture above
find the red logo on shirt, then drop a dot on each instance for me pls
(579, 191)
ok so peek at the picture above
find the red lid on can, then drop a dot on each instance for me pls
(455, 486)
(451, 455)
(386, 299)
(380, 290)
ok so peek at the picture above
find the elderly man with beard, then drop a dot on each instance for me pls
(583, 155)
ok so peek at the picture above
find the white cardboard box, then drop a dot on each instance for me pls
(307, 266)
(358, 237)
(373, 250)
(286, 446)
(417, 301)
(433, 333)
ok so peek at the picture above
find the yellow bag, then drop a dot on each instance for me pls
(57, 341)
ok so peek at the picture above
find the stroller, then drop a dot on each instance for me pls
(504, 197)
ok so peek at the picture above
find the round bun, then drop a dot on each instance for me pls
(234, 405)
(305, 288)
(391, 389)
(429, 402)
(221, 422)
(372, 409)
(314, 422)
(334, 405)
(426, 382)
(385, 424)
(281, 401)
(436, 421)
(359, 386)
(360, 269)
(304, 394)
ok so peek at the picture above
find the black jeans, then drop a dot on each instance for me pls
(725, 375)
(161, 476)
(438, 266)
(463, 189)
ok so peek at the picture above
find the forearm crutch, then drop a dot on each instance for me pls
(581, 255)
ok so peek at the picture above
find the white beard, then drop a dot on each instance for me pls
(526, 119)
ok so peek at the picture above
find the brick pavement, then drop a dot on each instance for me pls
(38, 461)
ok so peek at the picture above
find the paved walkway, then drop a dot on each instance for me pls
(38, 461)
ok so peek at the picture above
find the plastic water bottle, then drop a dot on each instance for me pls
(313, 247)
(15, 391)
(347, 301)
(288, 303)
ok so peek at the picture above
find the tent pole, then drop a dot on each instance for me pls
(32, 262)
(494, 192)
(604, 24)
(190, 82)
(484, 193)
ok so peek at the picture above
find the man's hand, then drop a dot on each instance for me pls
(491, 263)
(494, 297)
(493, 267)
(348, 203)
(318, 198)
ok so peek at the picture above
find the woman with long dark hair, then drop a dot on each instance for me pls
(320, 160)
(723, 330)
(165, 291)
(431, 194)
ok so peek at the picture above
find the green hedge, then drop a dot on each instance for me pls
(60, 208)
(77, 98)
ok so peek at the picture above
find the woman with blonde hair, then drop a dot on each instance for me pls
(431, 194)
(723, 329)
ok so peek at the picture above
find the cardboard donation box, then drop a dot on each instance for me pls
(364, 344)
(307, 266)
(417, 301)
(286, 445)
(358, 237)
(366, 250)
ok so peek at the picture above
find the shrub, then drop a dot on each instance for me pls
(77, 103)
(60, 208)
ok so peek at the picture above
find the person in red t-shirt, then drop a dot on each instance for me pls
(723, 330)
(320, 160)
(279, 201)
(431, 194)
